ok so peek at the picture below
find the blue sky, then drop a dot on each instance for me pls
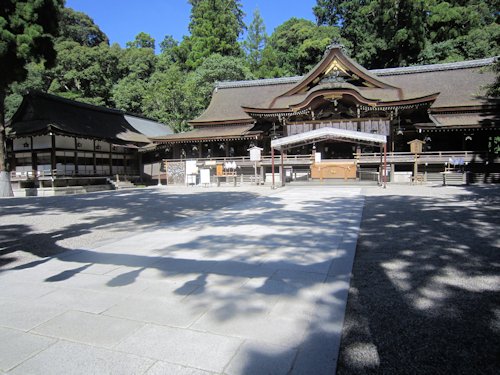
(122, 20)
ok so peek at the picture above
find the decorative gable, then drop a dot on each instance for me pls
(336, 67)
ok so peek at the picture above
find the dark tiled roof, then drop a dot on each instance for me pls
(40, 113)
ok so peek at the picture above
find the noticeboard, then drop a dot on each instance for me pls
(204, 176)
(255, 153)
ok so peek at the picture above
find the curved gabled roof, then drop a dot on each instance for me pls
(336, 60)
(459, 84)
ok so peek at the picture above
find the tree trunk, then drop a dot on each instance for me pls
(5, 185)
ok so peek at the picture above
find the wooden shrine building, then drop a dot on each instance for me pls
(52, 137)
(443, 105)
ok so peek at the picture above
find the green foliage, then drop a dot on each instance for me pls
(174, 97)
(128, 94)
(86, 74)
(165, 98)
(216, 68)
(36, 79)
(138, 62)
(80, 28)
(295, 47)
(215, 28)
(385, 33)
(168, 44)
(328, 12)
(27, 28)
(255, 42)
(142, 40)
(136, 67)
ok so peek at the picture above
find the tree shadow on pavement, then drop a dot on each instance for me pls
(313, 231)
(109, 213)
(424, 293)
(424, 297)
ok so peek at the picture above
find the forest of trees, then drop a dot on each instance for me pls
(175, 85)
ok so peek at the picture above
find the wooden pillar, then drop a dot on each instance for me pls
(140, 165)
(385, 165)
(381, 166)
(282, 174)
(110, 159)
(33, 158)
(272, 166)
(94, 160)
(53, 164)
(125, 164)
(76, 156)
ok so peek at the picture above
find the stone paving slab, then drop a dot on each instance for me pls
(157, 311)
(180, 346)
(17, 346)
(65, 358)
(163, 368)
(81, 300)
(92, 329)
(258, 287)
(261, 358)
(26, 315)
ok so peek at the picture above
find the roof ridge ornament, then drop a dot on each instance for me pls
(336, 44)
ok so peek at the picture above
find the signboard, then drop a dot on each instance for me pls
(317, 157)
(416, 146)
(191, 167)
(255, 153)
(205, 176)
(191, 172)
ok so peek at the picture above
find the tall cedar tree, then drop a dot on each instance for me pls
(215, 28)
(27, 28)
(255, 42)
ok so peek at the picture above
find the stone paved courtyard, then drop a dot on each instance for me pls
(251, 280)
(251, 284)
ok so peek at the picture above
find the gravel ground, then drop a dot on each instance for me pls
(424, 297)
(35, 227)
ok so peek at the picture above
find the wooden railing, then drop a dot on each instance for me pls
(424, 157)
(433, 157)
